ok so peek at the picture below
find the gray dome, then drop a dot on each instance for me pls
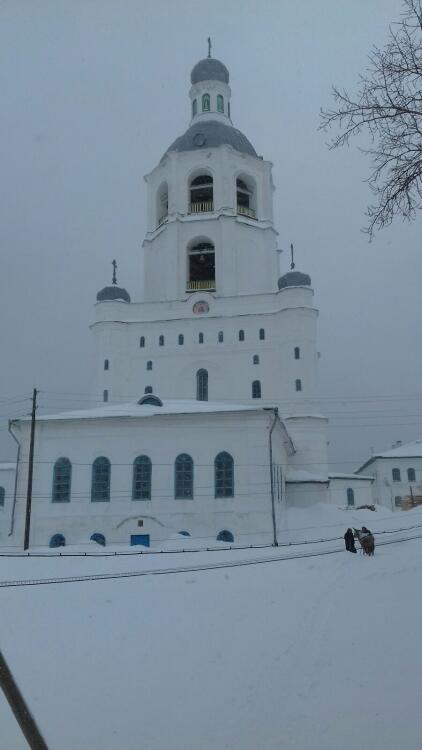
(110, 293)
(294, 278)
(211, 134)
(209, 69)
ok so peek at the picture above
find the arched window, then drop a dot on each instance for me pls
(181, 339)
(194, 107)
(183, 477)
(200, 338)
(184, 533)
(241, 335)
(206, 103)
(201, 266)
(255, 359)
(246, 196)
(223, 475)
(220, 103)
(396, 475)
(148, 389)
(2, 495)
(149, 365)
(141, 485)
(201, 194)
(106, 364)
(350, 497)
(57, 540)
(100, 483)
(161, 341)
(297, 352)
(162, 203)
(225, 536)
(98, 538)
(262, 334)
(220, 337)
(256, 389)
(142, 342)
(411, 475)
(202, 385)
(397, 501)
(105, 396)
(62, 479)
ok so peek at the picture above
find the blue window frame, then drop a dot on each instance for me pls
(256, 389)
(183, 477)
(206, 103)
(220, 103)
(62, 479)
(57, 540)
(181, 339)
(224, 475)
(141, 484)
(202, 385)
(100, 483)
(2, 495)
(98, 538)
(225, 536)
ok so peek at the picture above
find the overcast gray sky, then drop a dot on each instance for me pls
(92, 94)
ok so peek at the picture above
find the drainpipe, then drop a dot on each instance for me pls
(12, 520)
(275, 542)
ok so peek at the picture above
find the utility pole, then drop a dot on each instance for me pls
(21, 711)
(30, 472)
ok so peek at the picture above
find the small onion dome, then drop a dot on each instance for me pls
(209, 69)
(294, 278)
(110, 293)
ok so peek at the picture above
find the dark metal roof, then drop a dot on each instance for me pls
(294, 278)
(209, 69)
(113, 293)
(211, 134)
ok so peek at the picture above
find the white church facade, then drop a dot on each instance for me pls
(210, 420)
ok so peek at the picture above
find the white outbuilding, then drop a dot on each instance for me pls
(397, 474)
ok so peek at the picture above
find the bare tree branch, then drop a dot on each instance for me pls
(388, 106)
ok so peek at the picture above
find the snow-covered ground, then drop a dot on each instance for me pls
(311, 653)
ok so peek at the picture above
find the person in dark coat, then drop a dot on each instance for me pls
(349, 540)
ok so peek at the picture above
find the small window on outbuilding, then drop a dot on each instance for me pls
(255, 359)
(220, 103)
(396, 475)
(206, 103)
(411, 475)
(256, 389)
(241, 335)
(181, 339)
(106, 364)
(350, 497)
(298, 384)
(2, 496)
(161, 341)
(261, 334)
(149, 365)
(142, 342)
(297, 352)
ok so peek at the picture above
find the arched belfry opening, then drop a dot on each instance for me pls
(162, 203)
(201, 266)
(201, 194)
(246, 196)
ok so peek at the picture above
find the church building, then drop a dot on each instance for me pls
(210, 422)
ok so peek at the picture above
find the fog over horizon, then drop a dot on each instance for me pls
(93, 93)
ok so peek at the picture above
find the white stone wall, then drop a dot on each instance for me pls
(362, 489)
(7, 481)
(244, 435)
(385, 489)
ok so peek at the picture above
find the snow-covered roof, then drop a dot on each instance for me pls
(300, 475)
(133, 409)
(339, 475)
(7, 466)
(407, 450)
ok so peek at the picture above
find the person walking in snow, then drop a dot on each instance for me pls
(349, 540)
